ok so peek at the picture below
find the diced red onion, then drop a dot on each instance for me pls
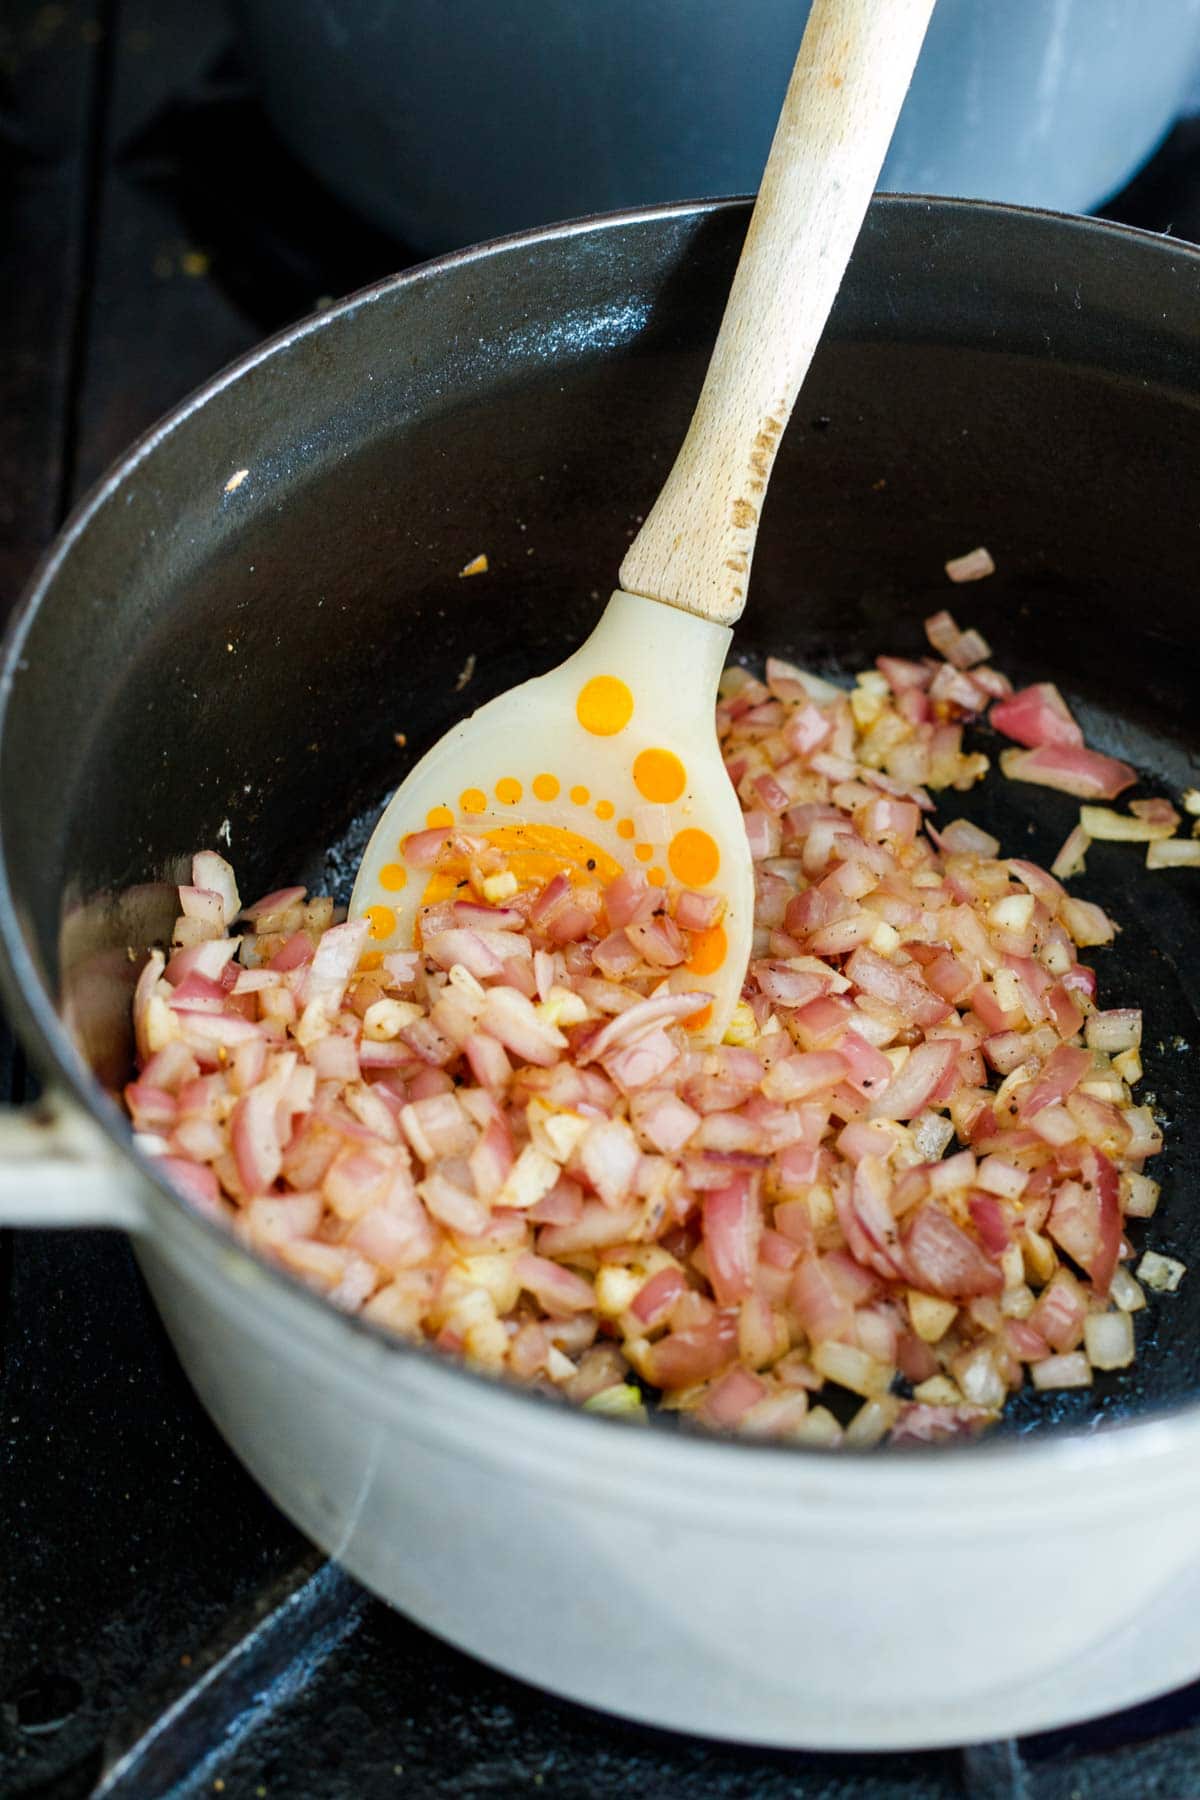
(892, 969)
(657, 942)
(942, 1259)
(629, 899)
(1071, 769)
(1036, 715)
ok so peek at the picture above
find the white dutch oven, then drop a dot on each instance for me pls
(769, 1595)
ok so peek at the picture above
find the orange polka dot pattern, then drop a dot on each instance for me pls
(693, 857)
(659, 776)
(382, 921)
(709, 949)
(604, 706)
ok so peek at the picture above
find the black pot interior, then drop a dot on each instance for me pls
(204, 667)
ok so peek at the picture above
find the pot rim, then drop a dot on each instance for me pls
(1009, 1469)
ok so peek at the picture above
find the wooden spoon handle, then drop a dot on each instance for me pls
(844, 97)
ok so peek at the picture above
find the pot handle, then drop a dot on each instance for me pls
(58, 1168)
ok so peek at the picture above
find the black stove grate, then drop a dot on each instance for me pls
(163, 1630)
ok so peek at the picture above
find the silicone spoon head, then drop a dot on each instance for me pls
(610, 762)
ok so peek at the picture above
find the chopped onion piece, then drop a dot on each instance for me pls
(819, 1429)
(872, 1422)
(1113, 1031)
(274, 903)
(939, 1390)
(213, 873)
(852, 1368)
(1162, 1273)
(1139, 1195)
(1102, 823)
(1069, 1371)
(622, 1401)
(1087, 923)
(975, 565)
(1160, 811)
(1036, 715)
(817, 689)
(1108, 1340)
(931, 1133)
(931, 1317)
(961, 837)
(1174, 853)
(1125, 1291)
(1070, 859)
(1069, 768)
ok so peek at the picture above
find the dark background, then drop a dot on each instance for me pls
(163, 1630)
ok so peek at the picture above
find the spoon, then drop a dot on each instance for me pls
(610, 762)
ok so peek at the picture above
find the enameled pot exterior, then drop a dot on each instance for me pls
(198, 661)
(789, 1601)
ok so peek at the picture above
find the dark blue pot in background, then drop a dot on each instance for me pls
(450, 121)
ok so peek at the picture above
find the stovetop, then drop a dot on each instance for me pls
(163, 1630)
